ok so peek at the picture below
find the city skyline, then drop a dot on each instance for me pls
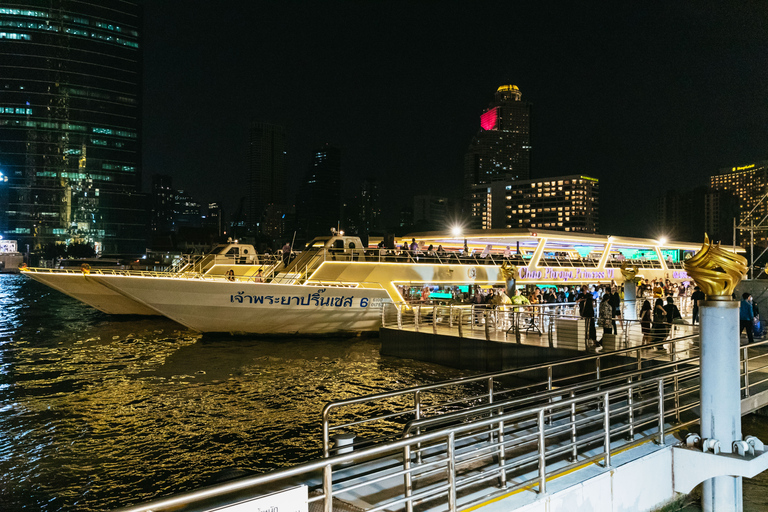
(644, 99)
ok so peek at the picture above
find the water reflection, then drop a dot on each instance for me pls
(100, 412)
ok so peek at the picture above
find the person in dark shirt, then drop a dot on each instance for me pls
(587, 312)
(673, 313)
(697, 297)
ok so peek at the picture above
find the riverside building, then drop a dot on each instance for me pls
(561, 203)
(747, 186)
(70, 124)
(502, 147)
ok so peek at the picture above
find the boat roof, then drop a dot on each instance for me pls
(503, 237)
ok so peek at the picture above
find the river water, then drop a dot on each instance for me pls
(98, 412)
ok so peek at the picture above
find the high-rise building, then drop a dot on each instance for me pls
(370, 208)
(562, 203)
(748, 184)
(162, 203)
(214, 220)
(319, 202)
(501, 150)
(70, 124)
(430, 213)
(679, 215)
(267, 163)
(186, 211)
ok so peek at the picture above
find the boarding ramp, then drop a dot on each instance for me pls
(497, 441)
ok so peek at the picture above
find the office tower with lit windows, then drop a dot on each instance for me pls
(70, 124)
(162, 203)
(748, 184)
(319, 202)
(267, 167)
(501, 150)
(562, 203)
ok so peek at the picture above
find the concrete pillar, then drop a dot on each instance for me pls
(630, 300)
(721, 396)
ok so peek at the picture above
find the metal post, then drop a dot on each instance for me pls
(502, 457)
(630, 411)
(461, 321)
(630, 300)
(450, 316)
(451, 474)
(407, 477)
(417, 317)
(751, 249)
(328, 488)
(574, 450)
(721, 395)
(745, 364)
(400, 318)
(661, 412)
(542, 455)
(607, 429)
(434, 318)
(486, 317)
(417, 407)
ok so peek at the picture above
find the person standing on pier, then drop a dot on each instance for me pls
(746, 316)
(697, 297)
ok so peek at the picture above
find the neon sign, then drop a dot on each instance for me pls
(566, 275)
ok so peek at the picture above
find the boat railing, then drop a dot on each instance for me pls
(461, 465)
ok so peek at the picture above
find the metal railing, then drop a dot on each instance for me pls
(413, 404)
(469, 463)
(495, 439)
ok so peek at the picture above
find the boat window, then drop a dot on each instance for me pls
(338, 244)
(233, 250)
(217, 249)
(318, 243)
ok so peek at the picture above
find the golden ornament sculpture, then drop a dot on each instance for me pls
(629, 273)
(715, 270)
(508, 271)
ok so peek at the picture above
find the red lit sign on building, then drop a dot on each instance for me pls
(489, 119)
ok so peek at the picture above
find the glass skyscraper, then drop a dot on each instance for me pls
(70, 123)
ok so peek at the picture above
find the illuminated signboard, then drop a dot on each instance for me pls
(489, 119)
(563, 274)
(743, 168)
(588, 178)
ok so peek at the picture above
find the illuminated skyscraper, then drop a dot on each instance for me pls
(70, 124)
(266, 178)
(748, 185)
(561, 203)
(501, 149)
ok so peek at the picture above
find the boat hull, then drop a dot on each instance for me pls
(255, 308)
(85, 289)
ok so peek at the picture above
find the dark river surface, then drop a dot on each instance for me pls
(98, 412)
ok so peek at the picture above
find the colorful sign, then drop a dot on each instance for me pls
(570, 274)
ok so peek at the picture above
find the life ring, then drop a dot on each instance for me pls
(23, 267)
(86, 268)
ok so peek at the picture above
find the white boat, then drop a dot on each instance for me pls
(337, 285)
(80, 283)
(219, 305)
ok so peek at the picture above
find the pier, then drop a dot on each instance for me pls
(596, 431)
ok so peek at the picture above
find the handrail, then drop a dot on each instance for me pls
(450, 439)
(487, 378)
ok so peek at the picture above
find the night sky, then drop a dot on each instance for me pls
(645, 96)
